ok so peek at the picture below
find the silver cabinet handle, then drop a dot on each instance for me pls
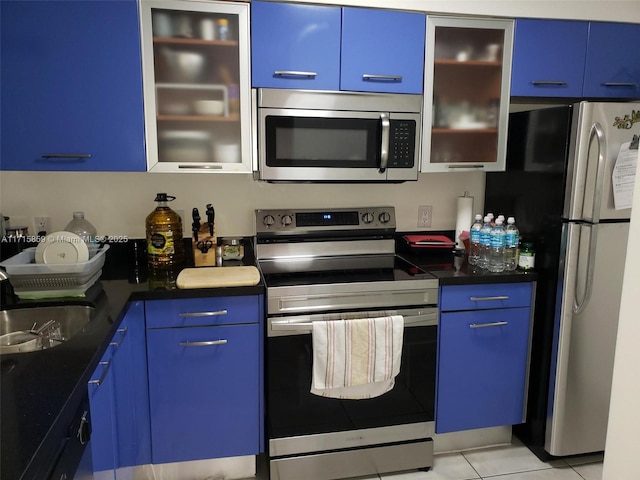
(66, 155)
(203, 344)
(123, 331)
(486, 325)
(620, 84)
(381, 78)
(202, 167)
(294, 73)
(384, 147)
(203, 314)
(552, 83)
(488, 299)
(99, 381)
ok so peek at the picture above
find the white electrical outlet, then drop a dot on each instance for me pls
(42, 224)
(424, 216)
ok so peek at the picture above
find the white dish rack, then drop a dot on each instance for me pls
(38, 280)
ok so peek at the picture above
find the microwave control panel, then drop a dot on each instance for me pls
(402, 143)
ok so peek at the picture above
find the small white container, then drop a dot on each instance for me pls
(226, 152)
(209, 107)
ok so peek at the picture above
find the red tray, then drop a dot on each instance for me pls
(430, 241)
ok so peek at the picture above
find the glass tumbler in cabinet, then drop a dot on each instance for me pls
(196, 85)
(467, 73)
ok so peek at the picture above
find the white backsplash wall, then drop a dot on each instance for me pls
(118, 203)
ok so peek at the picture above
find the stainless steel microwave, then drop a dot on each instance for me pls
(321, 136)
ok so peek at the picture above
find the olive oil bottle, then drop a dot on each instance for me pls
(165, 248)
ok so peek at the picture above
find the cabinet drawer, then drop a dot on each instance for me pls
(477, 297)
(203, 311)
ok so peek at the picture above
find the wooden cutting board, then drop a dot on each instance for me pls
(213, 277)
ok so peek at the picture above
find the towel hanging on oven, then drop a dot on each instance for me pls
(358, 358)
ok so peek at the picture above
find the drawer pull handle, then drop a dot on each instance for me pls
(203, 344)
(123, 331)
(381, 78)
(105, 370)
(486, 325)
(203, 314)
(66, 155)
(553, 83)
(620, 84)
(489, 299)
(294, 73)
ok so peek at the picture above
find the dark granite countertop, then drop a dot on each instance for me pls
(41, 391)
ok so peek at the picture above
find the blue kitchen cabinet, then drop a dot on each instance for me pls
(119, 402)
(295, 46)
(71, 95)
(205, 377)
(548, 58)
(103, 429)
(131, 396)
(612, 68)
(331, 48)
(483, 356)
(382, 51)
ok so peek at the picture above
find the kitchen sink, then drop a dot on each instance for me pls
(54, 324)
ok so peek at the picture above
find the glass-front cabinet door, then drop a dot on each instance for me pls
(196, 85)
(466, 94)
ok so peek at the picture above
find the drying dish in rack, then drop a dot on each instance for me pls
(62, 247)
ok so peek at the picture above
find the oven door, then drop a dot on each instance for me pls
(337, 146)
(300, 422)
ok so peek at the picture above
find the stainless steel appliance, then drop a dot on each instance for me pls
(330, 264)
(559, 185)
(318, 136)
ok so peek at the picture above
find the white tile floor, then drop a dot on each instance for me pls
(512, 462)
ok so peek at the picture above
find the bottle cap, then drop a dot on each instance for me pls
(511, 220)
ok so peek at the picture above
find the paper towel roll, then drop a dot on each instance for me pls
(464, 218)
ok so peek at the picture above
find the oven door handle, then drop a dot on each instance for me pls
(305, 326)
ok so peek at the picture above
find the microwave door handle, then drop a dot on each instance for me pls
(384, 146)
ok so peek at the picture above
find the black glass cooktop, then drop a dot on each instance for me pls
(345, 269)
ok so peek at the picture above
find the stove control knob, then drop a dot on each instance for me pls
(268, 220)
(286, 220)
(368, 217)
(384, 217)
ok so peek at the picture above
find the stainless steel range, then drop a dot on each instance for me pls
(329, 264)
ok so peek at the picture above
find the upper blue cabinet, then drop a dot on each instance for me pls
(558, 58)
(548, 58)
(332, 48)
(612, 67)
(71, 86)
(295, 46)
(382, 51)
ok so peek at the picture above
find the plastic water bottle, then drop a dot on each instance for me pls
(491, 218)
(512, 238)
(485, 243)
(83, 228)
(474, 240)
(498, 240)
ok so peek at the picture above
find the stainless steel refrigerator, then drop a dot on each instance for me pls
(570, 173)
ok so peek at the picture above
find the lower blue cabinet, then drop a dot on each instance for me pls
(483, 356)
(204, 392)
(103, 418)
(118, 399)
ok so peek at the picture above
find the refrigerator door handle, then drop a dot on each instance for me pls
(598, 132)
(580, 305)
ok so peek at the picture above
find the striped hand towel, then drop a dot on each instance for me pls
(356, 359)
